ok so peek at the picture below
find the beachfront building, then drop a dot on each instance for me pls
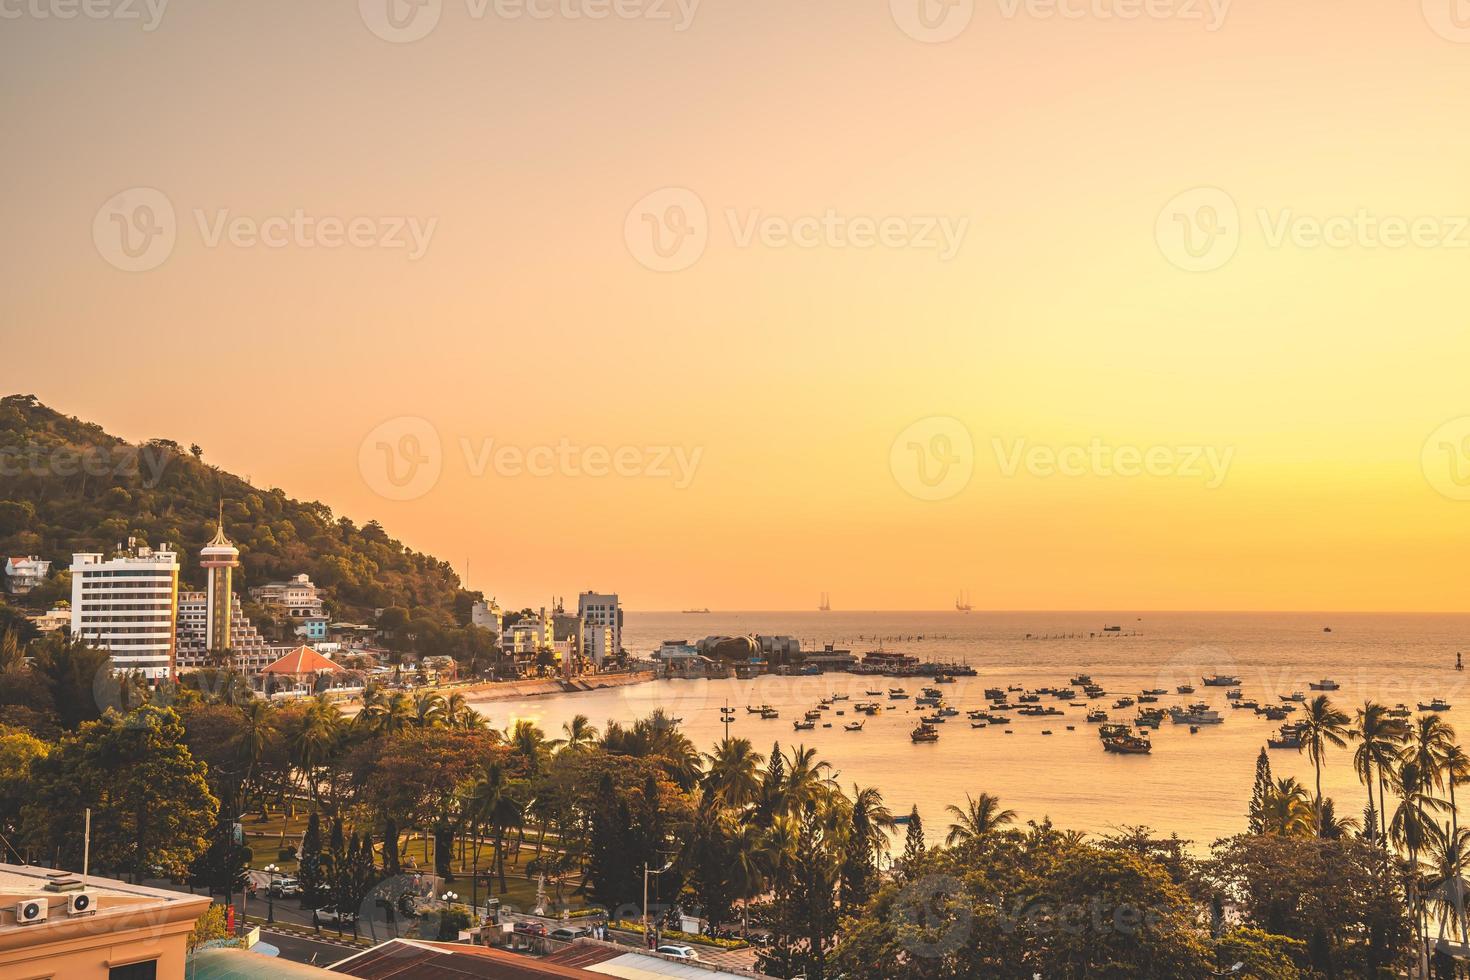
(55, 924)
(487, 614)
(126, 605)
(529, 635)
(599, 611)
(302, 671)
(25, 573)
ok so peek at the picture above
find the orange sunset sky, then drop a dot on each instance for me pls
(1232, 233)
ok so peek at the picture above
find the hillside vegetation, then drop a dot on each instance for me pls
(67, 486)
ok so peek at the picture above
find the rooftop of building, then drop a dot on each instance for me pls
(115, 905)
(412, 959)
(302, 660)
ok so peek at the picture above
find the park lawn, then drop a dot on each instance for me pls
(263, 839)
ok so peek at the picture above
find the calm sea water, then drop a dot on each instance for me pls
(1195, 785)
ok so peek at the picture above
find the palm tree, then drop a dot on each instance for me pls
(429, 710)
(807, 778)
(1413, 822)
(491, 805)
(310, 744)
(747, 867)
(1288, 811)
(529, 742)
(257, 726)
(1379, 736)
(733, 778)
(1323, 725)
(871, 819)
(1457, 770)
(1442, 876)
(579, 732)
(979, 818)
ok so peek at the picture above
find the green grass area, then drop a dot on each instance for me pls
(263, 837)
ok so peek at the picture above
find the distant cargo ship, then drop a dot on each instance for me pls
(696, 611)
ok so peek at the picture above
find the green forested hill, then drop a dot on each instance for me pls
(66, 485)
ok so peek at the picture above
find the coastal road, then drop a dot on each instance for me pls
(302, 948)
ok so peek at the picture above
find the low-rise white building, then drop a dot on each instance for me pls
(24, 574)
(599, 612)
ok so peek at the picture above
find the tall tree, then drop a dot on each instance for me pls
(309, 861)
(1260, 794)
(1323, 726)
(913, 847)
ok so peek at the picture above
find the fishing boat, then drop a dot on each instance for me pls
(841, 697)
(1221, 680)
(1324, 685)
(1198, 713)
(1081, 680)
(1290, 737)
(948, 712)
(994, 694)
(1274, 712)
(1184, 689)
(1234, 694)
(770, 713)
(1066, 694)
(1250, 705)
(1399, 711)
(1124, 702)
(853, 726)
(977, 724)
(1029, 698)
(803, 726)
(874, 694)
(812, 715)
(932, 720)
(1438, 704)
(1296, 696)
(1147, 698)
(1149, 718)
(945, 679)
(924, 734)
(755, 711)
(1124, 741)
(1155, 691)
(1014, 687)
(899, 696)
(1097, 715)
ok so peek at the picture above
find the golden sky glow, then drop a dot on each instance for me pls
(1065, 315)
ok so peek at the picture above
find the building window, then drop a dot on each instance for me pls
(135, 971)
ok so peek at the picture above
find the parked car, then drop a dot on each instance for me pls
(570, 933)
(332, 915)
(529, 928)
(285, 888)
(682, 952)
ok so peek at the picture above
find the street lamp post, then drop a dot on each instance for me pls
(270, 893)
(647, 936)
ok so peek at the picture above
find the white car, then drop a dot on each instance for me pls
(682, 952)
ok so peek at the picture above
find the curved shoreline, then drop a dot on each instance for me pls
(487, 691)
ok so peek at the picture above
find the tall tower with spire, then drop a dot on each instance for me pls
(220, 558)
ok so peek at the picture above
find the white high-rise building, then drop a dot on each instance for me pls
(125, 605)
(602, 625)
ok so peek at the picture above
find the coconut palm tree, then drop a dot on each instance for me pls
(1443, 876)
(747, 866)
(579, 732)
(1414, 821)
(1288, 810)
(1379, 736)
(733, 776)
(257, 727)
(1323, 726)
(529, 742)
(492, 805)
(871, 819)
(979, 818)
(429, 710)
(807, 778)
(1456, 772)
